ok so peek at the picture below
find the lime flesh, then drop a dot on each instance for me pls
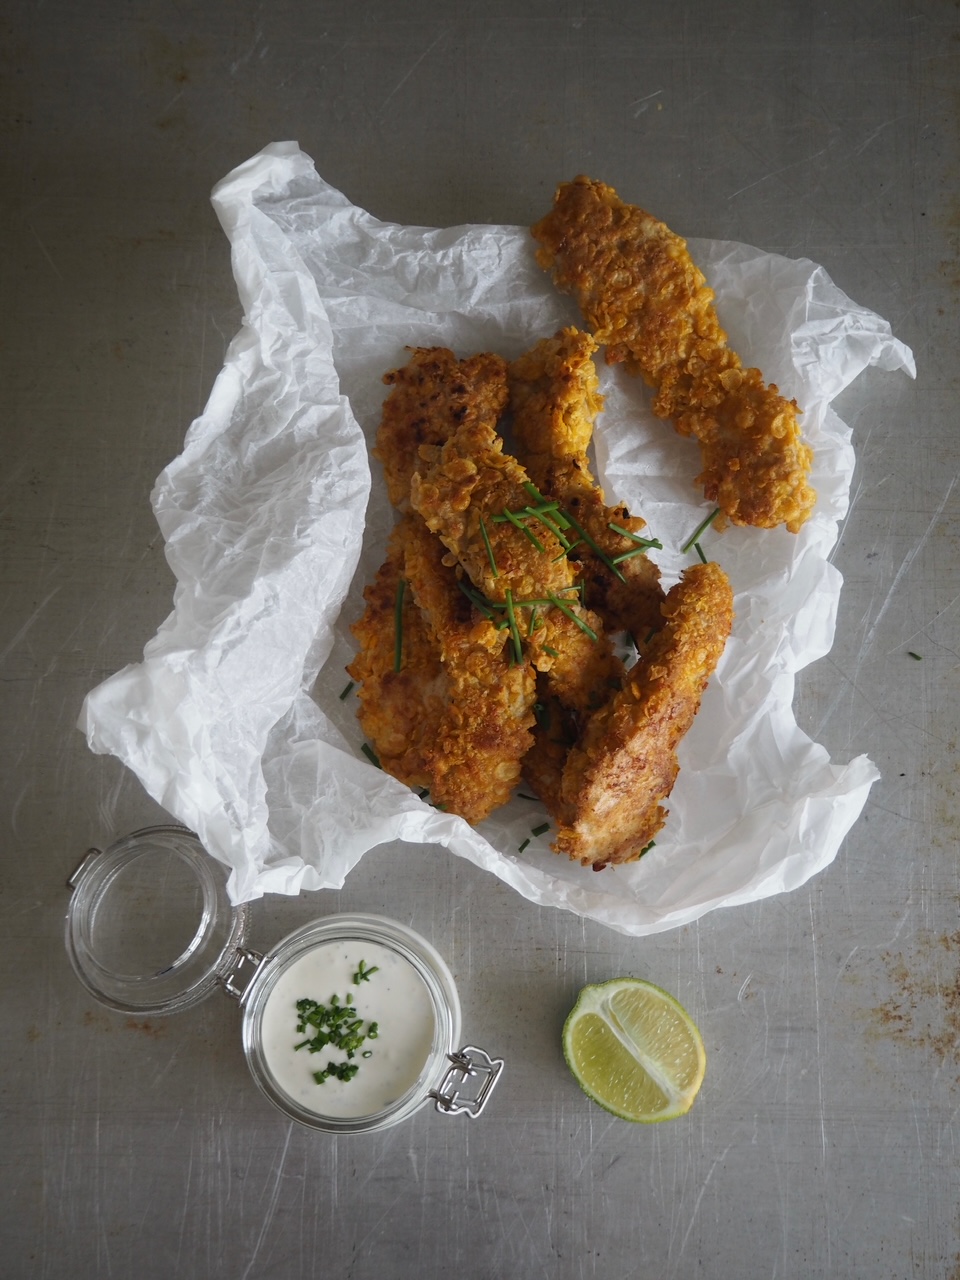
(634, 1050)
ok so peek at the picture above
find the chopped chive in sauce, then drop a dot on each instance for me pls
(336, 1025)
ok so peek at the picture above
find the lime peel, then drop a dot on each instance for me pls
(634, 1050)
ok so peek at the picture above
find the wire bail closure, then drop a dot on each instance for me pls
(470, 1063)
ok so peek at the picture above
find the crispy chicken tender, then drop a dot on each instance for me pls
(475, 702)
(554, 401)
(400, 711)
(474, 760)
(626, 763)
(433, 394)
(463, 489)
(649, 304)
(456, 717)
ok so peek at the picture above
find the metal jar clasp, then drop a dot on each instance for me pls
(473, 1065)
(237, 976)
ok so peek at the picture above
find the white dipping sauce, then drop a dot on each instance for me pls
(395, 997)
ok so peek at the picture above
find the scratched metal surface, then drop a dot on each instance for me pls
(824, 1142)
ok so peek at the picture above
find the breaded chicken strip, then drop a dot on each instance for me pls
(648, 303)
(433, 394)
(443, 706)
(400, 711)
(471, 756)
(467, 490)
(554, 401)
(474, 759)
(626, 763)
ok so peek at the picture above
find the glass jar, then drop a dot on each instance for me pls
(350, 1023)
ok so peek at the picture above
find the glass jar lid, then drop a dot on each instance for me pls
(150, 928)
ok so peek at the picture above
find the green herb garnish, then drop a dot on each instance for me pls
(346, 691)
(597, 551)
(701, 527)
(336, 1025)
(486, 542)
(487, 607)
(340, 1070)
(518, 524)
(514, 629)
(543, 828)
(398, 625)
(558, 603)
(642, 543)
(371, 755)
(914, 655)
(363, 973)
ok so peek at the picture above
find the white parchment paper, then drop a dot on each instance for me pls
(274, 518)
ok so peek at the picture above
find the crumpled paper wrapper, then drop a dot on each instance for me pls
(274, 518)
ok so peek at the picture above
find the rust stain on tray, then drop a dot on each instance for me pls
(924, 1009)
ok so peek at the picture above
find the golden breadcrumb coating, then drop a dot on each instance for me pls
(432, 395)
(456, 717)
(649, 304)
(625, 763)
(554, 402)
(474, 760)
(400, 711)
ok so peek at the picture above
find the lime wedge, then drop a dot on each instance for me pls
(635, 1050)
